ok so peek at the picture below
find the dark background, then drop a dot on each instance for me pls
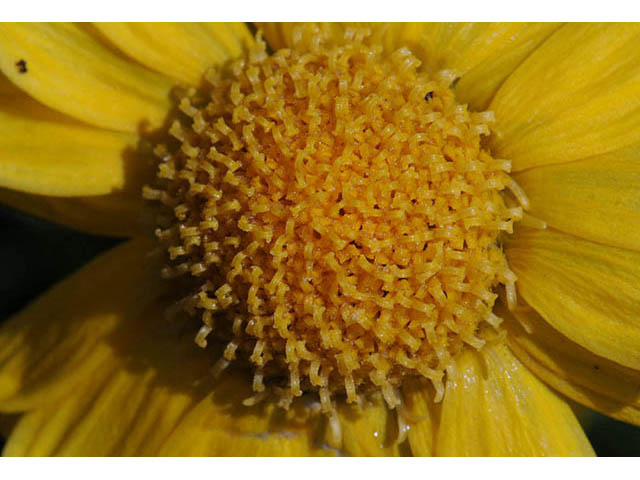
(35, 254)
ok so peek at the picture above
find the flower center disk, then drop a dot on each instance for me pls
(335, 218)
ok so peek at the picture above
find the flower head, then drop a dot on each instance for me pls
(338, 215)
(335, 216)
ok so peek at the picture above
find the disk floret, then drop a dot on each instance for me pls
(336, 216)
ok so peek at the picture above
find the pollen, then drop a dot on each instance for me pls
(334, 219)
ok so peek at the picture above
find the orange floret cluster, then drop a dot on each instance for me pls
(337, 217)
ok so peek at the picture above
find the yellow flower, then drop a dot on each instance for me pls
(332, 337)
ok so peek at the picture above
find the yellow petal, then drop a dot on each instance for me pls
(593, 381)
(280, 34)
(273, 33)
(163, 350)
(588, 291)
(484, 54)
(38, 433)
(70, 71)
(596, 198)
(370, 430)
(126, 413)
(221, 426)
(100, 425)
(155, 375)
(422, 416)
(183, 51)
(576, 96)
(152, 424)
(45, 153)
(118, 215)
(50, 346)
(493, 406)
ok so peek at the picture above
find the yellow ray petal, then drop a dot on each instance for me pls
(422, 416)
(588, 379)
(183, 51)
(576, 96)
(280, 34)
(273, 33)
(596, 198)
(163, 350)
(102, 418)
(38, 433)
(588, 291)
(221, 426)
(155, 375)
(150, 426)
(45, 153)
(161, 378)
(484, 54)
(493, 406)
(118, 215)
(370, 430)
(70, 71)
(52, 344)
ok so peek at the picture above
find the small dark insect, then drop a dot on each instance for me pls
(597, 367)
(21, 65)
(428, 96)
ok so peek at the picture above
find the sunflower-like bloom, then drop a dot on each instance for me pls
(342, 239)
